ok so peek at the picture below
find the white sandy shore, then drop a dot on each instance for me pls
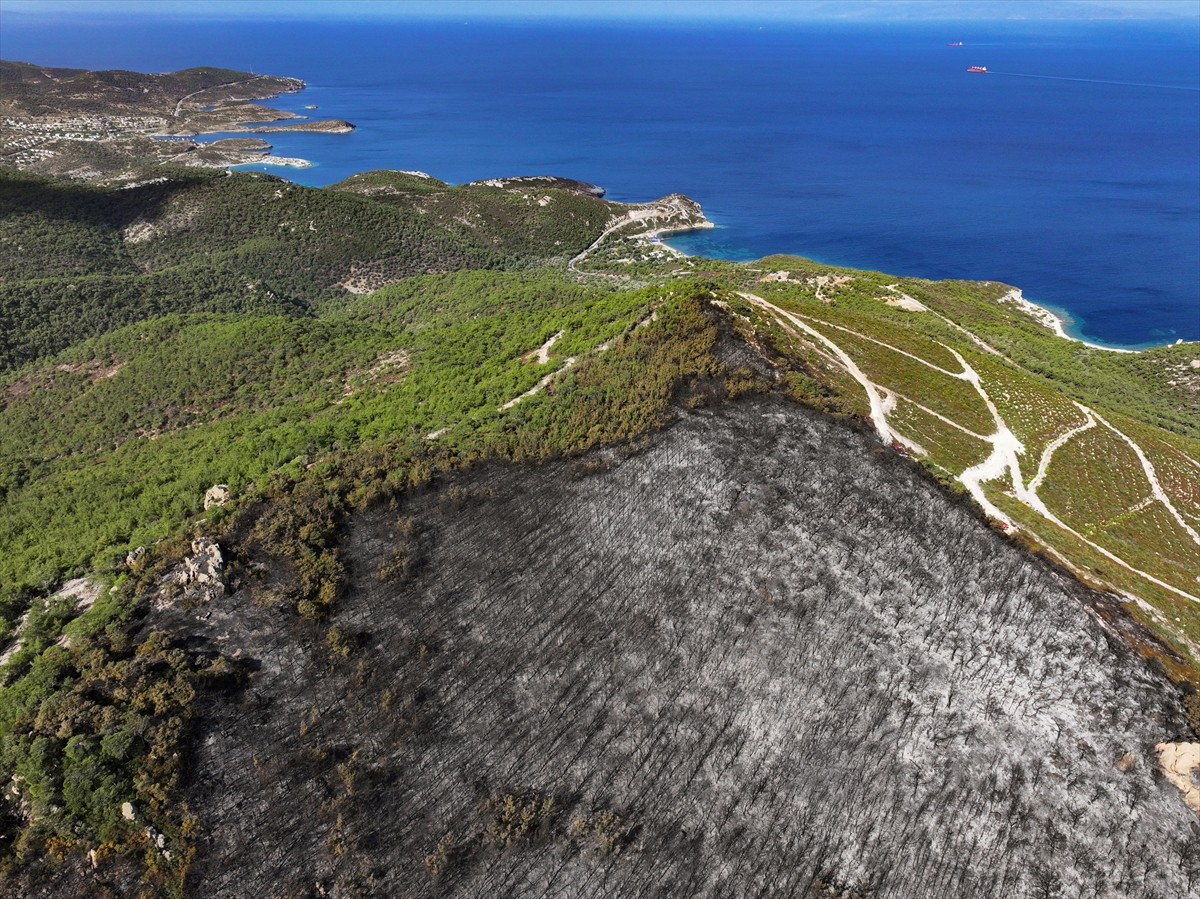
(1052, 321)
(659, 236)
(294, 162)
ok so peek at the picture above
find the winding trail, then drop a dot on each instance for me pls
(1003, 463)
(1152, 477)
(1057, 443)
(878, 415)
(615, 224)
(540, 385)
(1006, 448)
(542, 353)
(938, 415)
(964, 375)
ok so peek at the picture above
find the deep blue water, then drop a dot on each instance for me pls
(860, 145)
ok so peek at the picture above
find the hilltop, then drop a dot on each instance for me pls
(405, 538)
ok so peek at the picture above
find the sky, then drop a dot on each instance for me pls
(614, 10)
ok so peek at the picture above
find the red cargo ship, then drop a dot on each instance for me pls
(982, 69)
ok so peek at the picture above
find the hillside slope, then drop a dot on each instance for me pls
(755, 657)
(469, 540)
(80, 260)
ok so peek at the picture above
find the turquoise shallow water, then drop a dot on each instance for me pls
(859, 145)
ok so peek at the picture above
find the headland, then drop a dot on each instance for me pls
(89, 125)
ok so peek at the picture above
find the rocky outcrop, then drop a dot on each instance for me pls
(204, 568)
(217, 495)
(1180, 762)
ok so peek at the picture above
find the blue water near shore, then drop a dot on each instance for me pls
(853, 144)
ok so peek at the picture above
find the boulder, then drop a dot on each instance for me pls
(217, 495)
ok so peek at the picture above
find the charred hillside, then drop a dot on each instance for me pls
(756, 659)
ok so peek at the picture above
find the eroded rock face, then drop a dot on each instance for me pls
(757, 659)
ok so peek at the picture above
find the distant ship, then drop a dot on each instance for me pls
(982, 69)
(955, 44)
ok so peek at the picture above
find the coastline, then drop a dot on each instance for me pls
(1056, 322)
(706, 225)
(1055, 319)
(292, 162)
(282, 122)
(658, 236)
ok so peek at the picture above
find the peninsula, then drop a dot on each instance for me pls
(94, 124)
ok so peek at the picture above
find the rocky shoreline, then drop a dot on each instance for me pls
(322, 126)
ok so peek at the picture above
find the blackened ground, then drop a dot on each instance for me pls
(760, 658)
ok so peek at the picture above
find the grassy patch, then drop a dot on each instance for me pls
(1092, 478)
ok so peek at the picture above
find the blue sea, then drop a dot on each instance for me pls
(865, 145)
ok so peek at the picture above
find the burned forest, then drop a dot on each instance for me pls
(757, 658)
